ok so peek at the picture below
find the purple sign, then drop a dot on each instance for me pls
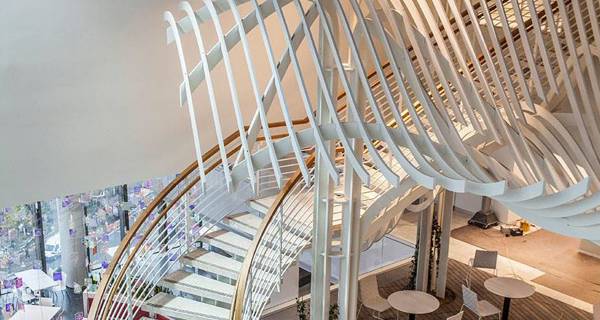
(37, 232)
(137, 189)
(72, 232)
(7, 307)
(104, 265)
(105, 237)
(57, 276)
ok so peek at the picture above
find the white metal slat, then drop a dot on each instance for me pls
(305, 98)
(168, 17)
(329, 100)
(210, 89)
(281, 94)
(391, 176)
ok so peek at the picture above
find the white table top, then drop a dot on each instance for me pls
(413, 302)
(509, 287)
(34, 312)
(36, 279)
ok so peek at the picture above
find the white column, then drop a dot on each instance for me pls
(321, 268)
(350, 260)
(424, 236)
(446, 209)
(72, 232)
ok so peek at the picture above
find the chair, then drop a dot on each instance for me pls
(60, 278)
(483, 260)
(77, 288)
(457, 316)
(370, 298)
(482, 308)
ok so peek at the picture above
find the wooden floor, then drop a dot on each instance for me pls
(535, 307)
(577, 274)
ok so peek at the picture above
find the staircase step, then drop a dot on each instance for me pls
(183, 308)
(198, 285)
(244, 222)
(212, 262)
(262, 205)
(228, 241)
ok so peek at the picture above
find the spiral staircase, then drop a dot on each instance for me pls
(453, 84)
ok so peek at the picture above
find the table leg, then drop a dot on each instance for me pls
(505, 308)
(412, 316)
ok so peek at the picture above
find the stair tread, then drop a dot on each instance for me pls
(196, 281)
(265, 202)
(214, 259)
(229, 238)
(246, 219)
(183, 308)
(229, 242)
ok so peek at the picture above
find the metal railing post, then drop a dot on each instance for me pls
(129, 296)
(187, 217)
(280, 221)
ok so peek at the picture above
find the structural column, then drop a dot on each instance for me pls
(71, 230)
(350, 238)
(124, 213)
(39, 236)
(424, 246)
(445, 211)
(323, 194)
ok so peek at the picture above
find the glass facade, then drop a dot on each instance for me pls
(81, 233)
(17, 241)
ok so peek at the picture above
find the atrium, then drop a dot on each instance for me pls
(300, 159)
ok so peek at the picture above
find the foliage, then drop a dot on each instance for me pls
(411, 285)
(436, 233)
(334, 312)
(302, 310)
(304, 313)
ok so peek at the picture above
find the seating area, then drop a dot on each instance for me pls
(452, 307)
(33, 294)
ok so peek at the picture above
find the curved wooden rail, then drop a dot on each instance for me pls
(160, 198)
(131, 234)
(238, 299)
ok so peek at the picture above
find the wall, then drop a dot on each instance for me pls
(89, 96)
(468, 202)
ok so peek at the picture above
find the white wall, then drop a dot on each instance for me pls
(89, 96)
(468, 202)
(504, 214)
(288, 289)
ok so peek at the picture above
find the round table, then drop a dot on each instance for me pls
(509, 288)
(413, 302)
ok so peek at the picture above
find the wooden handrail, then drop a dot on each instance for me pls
(238, 298)
(142, 219)
(154, 205)
(158, 200)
